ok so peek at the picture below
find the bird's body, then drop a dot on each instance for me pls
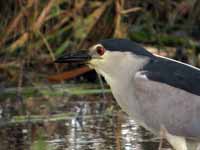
(155, 91)
(146, 98)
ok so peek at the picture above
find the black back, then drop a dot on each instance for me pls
(160, 69)
(174, 74)
(125, 45)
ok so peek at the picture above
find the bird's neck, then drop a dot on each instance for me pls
(122, 85)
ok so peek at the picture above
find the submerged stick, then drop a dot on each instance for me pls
(48, 118)
(69, 74)
(54, 90)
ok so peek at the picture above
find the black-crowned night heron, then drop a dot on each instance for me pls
(159, 93)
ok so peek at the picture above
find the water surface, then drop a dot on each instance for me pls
(88, 123)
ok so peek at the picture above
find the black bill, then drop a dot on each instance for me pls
(75, 57)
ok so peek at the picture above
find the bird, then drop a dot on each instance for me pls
(160, 94)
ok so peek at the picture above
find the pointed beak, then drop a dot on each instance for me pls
(82, 56)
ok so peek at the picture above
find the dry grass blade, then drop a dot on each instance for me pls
(49, 49)
(41, 19)
(15, 21)
(61, 22)
(66, 15)
(102, 27)
(39, 22)
(48, 46)
(118, 7)
(19, 42)
(6, 65)
(79, 4)
(131, 10)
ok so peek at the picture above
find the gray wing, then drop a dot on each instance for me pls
(164, 104)
(174, 73)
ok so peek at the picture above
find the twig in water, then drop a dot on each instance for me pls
(102, 86)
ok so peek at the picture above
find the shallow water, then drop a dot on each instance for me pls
(90, 124)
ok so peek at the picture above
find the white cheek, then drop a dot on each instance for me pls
(94, 63)
(98, 62)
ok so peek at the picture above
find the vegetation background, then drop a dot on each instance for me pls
(33, 33)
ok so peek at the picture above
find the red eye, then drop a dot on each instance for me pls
(100, 50)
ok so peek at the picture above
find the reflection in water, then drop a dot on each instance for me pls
(90, 128)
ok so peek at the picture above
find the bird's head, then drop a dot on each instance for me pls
(110, 57)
